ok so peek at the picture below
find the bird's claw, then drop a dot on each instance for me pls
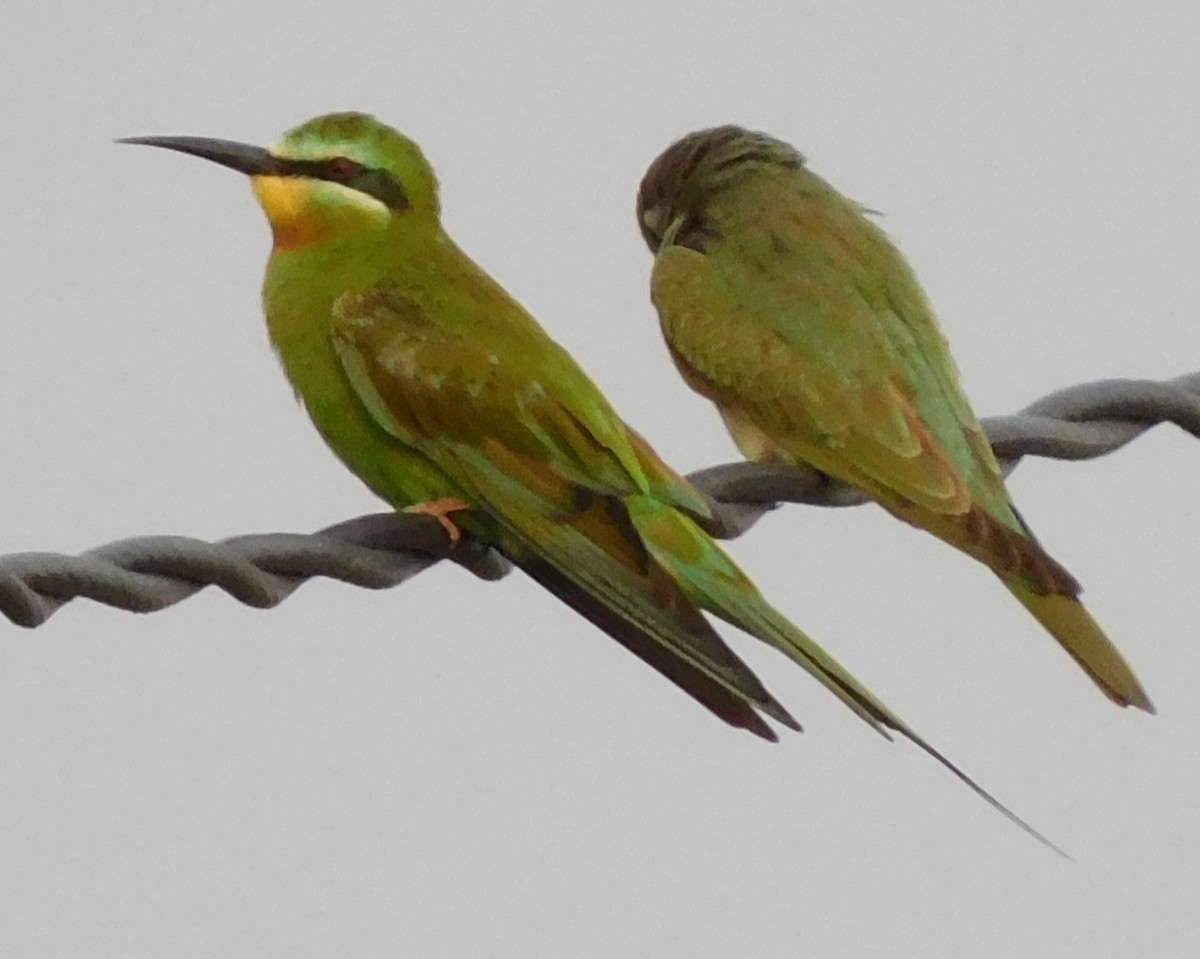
(440, 509)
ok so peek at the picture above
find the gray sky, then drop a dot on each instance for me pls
(465, 769)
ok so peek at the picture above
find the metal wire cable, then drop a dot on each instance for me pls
(383, 550)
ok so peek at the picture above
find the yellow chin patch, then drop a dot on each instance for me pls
(287, 201)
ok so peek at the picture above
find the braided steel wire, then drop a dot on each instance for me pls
(383, 550)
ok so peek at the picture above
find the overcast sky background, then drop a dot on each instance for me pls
(458, 768)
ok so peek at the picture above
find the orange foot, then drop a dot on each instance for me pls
(440, 509)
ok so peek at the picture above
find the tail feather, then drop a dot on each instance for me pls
(730, 707)
(712, 581)
(1049, 592)
(723, 590)
(586, 551)
(1011, 553)
(639, 604)
(1066, 619)
(765, 623)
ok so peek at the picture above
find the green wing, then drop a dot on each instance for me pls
(806, 318)
(812, 335)
(477, 408)
(552, 477)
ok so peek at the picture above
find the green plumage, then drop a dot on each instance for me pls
(785, 305)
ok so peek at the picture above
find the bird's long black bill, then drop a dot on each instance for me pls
(251, 160)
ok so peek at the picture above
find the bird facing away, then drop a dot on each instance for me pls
(790, 310)
(444, 395)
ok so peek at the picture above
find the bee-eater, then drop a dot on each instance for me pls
(444, 395)
(787, 307)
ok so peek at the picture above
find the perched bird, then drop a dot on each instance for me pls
(445, 396)
(793, 312)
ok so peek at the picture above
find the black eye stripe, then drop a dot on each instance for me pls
(373, 182)
(313, 169)
(383, 186)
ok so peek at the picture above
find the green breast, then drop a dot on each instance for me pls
(299, 291)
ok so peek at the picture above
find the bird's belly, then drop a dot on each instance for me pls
(394, 472)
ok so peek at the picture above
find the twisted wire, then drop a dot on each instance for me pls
(382, 550)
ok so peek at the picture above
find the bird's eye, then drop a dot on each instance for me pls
(343, 168)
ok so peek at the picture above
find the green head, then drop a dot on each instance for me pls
(681, 184)
(336, 174)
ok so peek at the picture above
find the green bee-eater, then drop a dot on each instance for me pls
(790, 310)
(443, 394)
